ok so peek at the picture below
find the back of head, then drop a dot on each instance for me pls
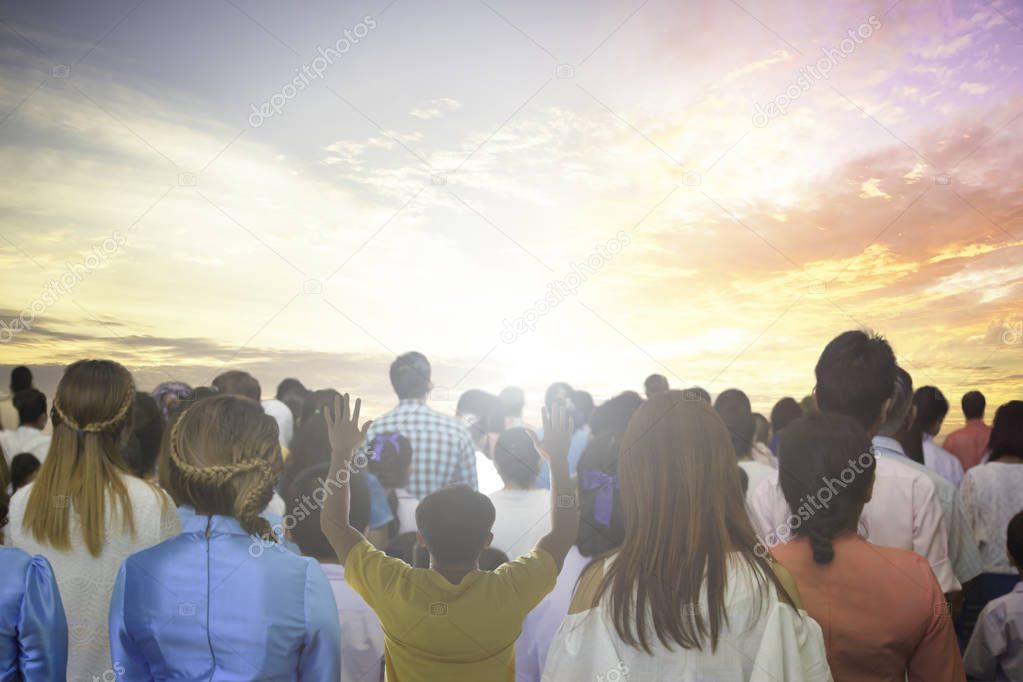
(390, 459)
(761, 429)
(237, 382)
(292, 393)
(513, 401)
(784, 412)
(308, 495)
(310, 445)
(855, 374)
(516, 459)
(583, 403)
(897, 421)
(734, 408)
(30, 404)
(826, 470)
(931, 408)
(410, 376)
(655, 384)
(170, 394)
(143, 449)
(601, 518)
(483, 408)
(612, 416)
(1007, 431)
(558, 393)
(973, 404)
(697, 393)
(455, 522)
(223, 457)
(684, 519)
(21, 378)
(24, 467)
(1014, 540)
(92, 417)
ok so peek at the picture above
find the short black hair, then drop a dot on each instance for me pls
(485, 407)
(973, 405)
(406, 547)
(30, 404)
(855, 376)
(612, 416)
(23, 468)
(734, 408)
(306, 506)
(516, 458)
(1014, 539)
(784, 412)
(557, 392)
(513, 400)
(696, 393)
(21, 378)
(1007, 431)
(654, 384)
(455, 522)
(583, 403)
(410, 376)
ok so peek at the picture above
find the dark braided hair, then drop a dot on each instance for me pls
(826, 468)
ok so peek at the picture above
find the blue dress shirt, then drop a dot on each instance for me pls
(33, 630)
(215, 603)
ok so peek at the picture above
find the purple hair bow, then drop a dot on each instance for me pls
(605, 485)
(380, 442)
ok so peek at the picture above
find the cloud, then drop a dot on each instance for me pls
(435, 108)
(974, 88)
(870, 189)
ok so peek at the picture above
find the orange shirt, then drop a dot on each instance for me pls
(881, 610)
(969, 443)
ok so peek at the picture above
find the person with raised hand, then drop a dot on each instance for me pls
(451, 621)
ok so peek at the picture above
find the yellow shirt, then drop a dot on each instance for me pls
(434, 630)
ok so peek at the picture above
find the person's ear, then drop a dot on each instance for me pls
(420, 540)
(487, 540)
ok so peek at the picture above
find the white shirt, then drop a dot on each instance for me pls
(362, 638)
(995, 651)
(761, 453)
(904, 513)
(487, 479)
(523, 517)
(781, 644)
(963, 551)
(86, 582)
(24, 439)
(992, 493)
(944, 462)
(407, 503)
(285, 420)
(543, 622)
(756, 472)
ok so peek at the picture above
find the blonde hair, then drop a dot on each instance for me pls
(223, 456)
(92, 417)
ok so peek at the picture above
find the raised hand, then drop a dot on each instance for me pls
(343, 430)
(558, 427)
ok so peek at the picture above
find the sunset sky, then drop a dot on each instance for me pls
(708, 190)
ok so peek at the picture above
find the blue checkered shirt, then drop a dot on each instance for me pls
(442, 450)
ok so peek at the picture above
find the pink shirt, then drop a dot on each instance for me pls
(904, 513)
(882, 612)
(969, 443)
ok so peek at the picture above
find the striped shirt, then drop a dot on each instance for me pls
(442, 450)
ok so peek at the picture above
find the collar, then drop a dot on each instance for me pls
(886, 445)
(218, 525)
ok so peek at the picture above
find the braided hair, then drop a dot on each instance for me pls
(223, 457)
(826, 469)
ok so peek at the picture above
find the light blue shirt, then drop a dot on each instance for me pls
(33, 629)
(215, 603)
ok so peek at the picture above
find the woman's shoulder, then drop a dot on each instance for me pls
(143, 492)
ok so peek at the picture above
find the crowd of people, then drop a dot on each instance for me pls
(210, 533)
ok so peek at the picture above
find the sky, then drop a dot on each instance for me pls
(527, 192)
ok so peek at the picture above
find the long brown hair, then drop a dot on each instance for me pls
(223, 457)
(92, 417)
(685, 519)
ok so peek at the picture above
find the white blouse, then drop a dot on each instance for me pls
(781, 644)
(86, 582)
(991, 494)
(944, 462)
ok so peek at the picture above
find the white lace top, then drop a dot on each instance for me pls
(87, 582)
(991, 494)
